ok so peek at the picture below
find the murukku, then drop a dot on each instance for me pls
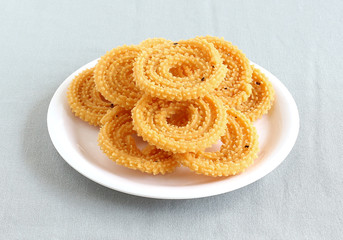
(116, 141)
(239, 149)
(261, 99)
(235, 88)
(180, 97)
(180, 126)
(154, 70)
(114, 76)
(84, 99)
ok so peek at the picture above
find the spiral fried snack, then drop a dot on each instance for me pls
(154, 70)
(117, 143)
(261, 99)
(239, 149)
(235, 88)
(114, 76)
(180, 126)
(85, 101)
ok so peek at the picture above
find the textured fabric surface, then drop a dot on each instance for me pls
(42, 197)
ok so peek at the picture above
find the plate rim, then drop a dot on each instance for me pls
(285, 149)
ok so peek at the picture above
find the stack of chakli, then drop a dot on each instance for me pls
(181, 98)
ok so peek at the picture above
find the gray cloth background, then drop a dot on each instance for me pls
(42, 197)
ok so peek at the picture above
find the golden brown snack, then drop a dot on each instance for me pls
(159, 71)
(114, 76)
(180, 126)
(239, 149)
(181, 97)
(85, 101)
(261, 99)
(117, 143)
(235, 88)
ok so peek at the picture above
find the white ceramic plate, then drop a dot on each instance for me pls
(76, 142)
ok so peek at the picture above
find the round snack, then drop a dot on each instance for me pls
(117, 143)
(239, 149)
(114, 76)
(153, 42)
(159, 71)
(85, 101)
(235, 88)
(261, 98)
(180, 126)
